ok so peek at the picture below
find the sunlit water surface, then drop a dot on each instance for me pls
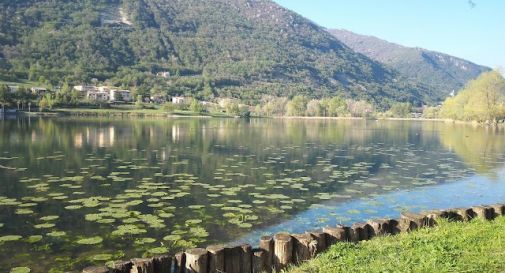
(77, 192)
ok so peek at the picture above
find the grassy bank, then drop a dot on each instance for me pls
(478, 246)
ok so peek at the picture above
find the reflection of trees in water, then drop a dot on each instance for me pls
(480, 147)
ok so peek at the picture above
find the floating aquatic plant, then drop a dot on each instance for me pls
(90, 241)
(20, 270)
(10, 238)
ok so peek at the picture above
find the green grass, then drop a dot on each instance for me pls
(24, 83)
(477, 246)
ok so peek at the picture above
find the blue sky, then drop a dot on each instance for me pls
(473, 30)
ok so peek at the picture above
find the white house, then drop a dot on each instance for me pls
(180, 100)
(84, 88)
(97, 96)
(38, 91)
(158, 98)
(120, 95)
(164, 74)
(13, 88)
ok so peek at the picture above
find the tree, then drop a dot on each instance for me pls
(139, 104)
(314, 108)
(5, 96)
(297, 106)
(47, 102)
(400, 110)
(273, 106)
(482, 100)
(359, 108)
(232, 108)
(337, 107)
(431, 112)
(195, 106)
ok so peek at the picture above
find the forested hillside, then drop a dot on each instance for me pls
(441, 72)
(220, 48)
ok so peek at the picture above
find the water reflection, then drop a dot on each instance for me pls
(149, 186)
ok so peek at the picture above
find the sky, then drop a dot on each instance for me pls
(469, 29)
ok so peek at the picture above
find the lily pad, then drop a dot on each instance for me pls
(90, 241)
(158, 250)
(34, 239)
(10, 238)
(20, 270)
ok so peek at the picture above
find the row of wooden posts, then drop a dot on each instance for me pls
(282, 250)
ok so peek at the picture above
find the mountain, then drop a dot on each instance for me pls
(218, 48)
(441, 72)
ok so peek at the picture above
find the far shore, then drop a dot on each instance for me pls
(158, 113)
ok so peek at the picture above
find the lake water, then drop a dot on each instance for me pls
(77, 192)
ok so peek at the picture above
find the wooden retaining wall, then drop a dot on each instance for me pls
(282, 250)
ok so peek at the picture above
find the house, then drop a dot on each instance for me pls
(84, 88)
(97, 96)
(120, 95)
(164, 74)
(180, 100)
(158, 98)
(39, 91)
(13, 88)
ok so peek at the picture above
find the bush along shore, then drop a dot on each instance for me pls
(281, 251)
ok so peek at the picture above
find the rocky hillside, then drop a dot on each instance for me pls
(218, 48)
(441, 72)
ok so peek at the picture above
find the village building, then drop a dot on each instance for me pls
(164, 74)
(13, 88)
(97, 96)
(158, 98)
(120, 95)
(180, 100)
(39, 91)
(104, 93)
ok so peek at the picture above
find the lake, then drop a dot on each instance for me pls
(77, 192)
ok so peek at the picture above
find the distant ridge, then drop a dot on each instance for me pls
(441, 72)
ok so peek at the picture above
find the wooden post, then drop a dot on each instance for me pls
(380, 227)
(246, 258)
(232, 259)
(162, 264)
(179, 263)
(462, 214)
(196, 260)
(412, 221)
(363, 231)
(394, 226)
(433, 216)
(301, 248)
(216, 259)
(96, 269)
(258, 262)
(142, 266)
(120, 267)
(484, 212)
(267, 245)
(499, 210)
(334, 235)
(318, 244)
(283, 251)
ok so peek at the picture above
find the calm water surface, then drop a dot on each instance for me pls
(76, 192)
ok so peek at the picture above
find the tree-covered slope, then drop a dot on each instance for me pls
(219, 48)
(441, 72)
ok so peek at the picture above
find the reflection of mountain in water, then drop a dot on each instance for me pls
(219, 177)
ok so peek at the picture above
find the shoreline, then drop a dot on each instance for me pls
(157, 113)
